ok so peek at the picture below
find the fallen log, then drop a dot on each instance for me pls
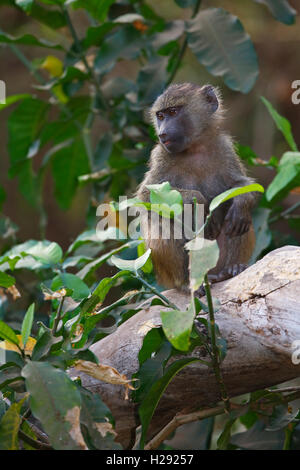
(260, 319)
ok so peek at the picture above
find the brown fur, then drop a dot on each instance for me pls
(206, 168)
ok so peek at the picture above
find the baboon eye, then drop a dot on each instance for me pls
(173, 111)
(160, 116)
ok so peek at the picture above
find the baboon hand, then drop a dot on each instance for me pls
(237, 220)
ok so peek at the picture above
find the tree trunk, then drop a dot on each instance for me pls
(259, 317)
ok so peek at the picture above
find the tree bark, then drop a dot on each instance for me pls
(259, 317)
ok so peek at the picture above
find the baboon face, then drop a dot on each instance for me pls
(182, 113)
(172, 129)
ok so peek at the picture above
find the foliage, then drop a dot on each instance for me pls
(55, 129)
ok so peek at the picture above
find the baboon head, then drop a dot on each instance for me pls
(183, 112)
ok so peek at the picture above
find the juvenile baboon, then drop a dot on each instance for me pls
(198, 159)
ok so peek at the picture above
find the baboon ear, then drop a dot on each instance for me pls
(210, 95)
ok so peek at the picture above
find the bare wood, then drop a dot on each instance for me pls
(260, 319)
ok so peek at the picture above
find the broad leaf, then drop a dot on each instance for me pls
(287, 178)
(96, 418)
(67, 165)
(55, 401)
(28, 40)
(70, 281)
(126, 43)
(97, 8)
(177, 326)
(151, 80)
(221, 44)
(13, 99)
(27, 324)
(9, 427)
(282, 124)
(233, 193)
(203, 256)
(131, 265)
(151, 401)
(281, 10)
(8, 334)
(6, 280)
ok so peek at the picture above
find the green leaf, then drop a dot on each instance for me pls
(282, 124)
(224, 438)
(281, 10)
(89, 236)
(27, 324)
(91, 267)
(131, 265)
(70, 281)
(34, 254)
(149, 404)
(6, 280)
(177, 326)
(24, 125)
(151, 370)
(44, 345)
(97, 8)
(55, 401)
(8, 334)
(13, 99)
(221, 44)
(96, 418)
(151, 80)
(233, 193)
(126, 43)
(95, 35)
(287, 178)
(52, 18)
(151, 343)
(67, 165)
(203, 256)
(106, 284)
(172, 30)
(28, 40)
(9, 427)
(148, 266)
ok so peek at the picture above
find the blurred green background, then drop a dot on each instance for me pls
(247, 119)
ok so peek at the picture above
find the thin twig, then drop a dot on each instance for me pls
(215, 350)
(283, 214)
(183, 47)
(156, 292)
(179, 420)
(38, 445)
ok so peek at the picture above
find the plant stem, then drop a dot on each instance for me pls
(183, 47)
(156, 292)
(288, 436)
(215, 351)
(284, 213)
(58, 315)
(83, 58)
(38, 445)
